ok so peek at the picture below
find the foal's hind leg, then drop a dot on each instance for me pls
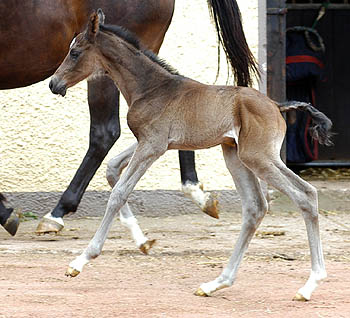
(254, 207)
(192, 188)
(275, 172)
(114, 170)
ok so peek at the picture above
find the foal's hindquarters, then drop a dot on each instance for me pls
(257, 155)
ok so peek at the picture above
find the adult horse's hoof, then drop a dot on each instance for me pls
(145, 247)
(72, 272)
(211, 206)
(47, 225)
(12, 223)
(299, 297)
(201, 293)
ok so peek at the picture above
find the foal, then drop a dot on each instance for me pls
(169, 111)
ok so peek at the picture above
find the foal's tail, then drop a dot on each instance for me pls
(321, 124)
(228, 22)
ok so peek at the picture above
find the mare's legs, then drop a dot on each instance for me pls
(103, 97)
(254, 207)
(8, 219)
(144, 155)
(192, 188)
(114, 170)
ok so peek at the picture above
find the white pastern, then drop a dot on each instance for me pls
(136, 232)
(314, 280)
(195, 192)
(79, 263)
(217, 284)
(54, 219)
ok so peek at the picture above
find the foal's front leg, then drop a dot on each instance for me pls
(145, 154)
(114, 170)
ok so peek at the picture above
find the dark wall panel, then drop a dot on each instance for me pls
(332, 95)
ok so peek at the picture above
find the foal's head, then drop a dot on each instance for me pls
(82, 59)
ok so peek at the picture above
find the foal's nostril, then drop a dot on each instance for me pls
(51, 84)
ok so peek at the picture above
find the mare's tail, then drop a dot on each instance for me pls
(228, 22)
(321, 124)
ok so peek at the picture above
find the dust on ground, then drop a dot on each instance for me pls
(190, 249)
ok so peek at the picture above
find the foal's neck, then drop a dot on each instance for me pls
(135, 74)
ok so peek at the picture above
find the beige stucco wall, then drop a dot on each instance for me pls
(44, 137)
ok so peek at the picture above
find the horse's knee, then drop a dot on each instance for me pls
(102, 138)
(117, 199)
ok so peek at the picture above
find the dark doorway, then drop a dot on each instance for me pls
(332, 95)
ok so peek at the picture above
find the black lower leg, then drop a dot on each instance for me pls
(103, 97)
(187, 167)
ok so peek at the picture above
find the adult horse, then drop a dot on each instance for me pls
(44, 31)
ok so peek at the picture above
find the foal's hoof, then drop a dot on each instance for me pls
(72, 272)
(299, 297)
(211, 207)
(200, 292)
(48, 226)
(12, 224)
(145, 247)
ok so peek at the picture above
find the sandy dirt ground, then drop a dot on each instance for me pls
(190, 249)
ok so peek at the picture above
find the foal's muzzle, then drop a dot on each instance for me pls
(58, 86)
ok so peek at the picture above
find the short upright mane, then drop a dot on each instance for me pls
(132, 39)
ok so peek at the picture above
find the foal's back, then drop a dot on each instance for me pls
(203, 116)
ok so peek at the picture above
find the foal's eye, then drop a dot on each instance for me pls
(74, 54)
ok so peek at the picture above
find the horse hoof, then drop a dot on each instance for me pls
(211, 207)
(12, 224)
(48, 226)
(299, 297)
(201, 293)
(145, 247)
(71, 272)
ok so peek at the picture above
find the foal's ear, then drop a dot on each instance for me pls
(93, 27)
(101, 16)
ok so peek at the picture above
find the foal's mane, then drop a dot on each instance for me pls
(132, 39)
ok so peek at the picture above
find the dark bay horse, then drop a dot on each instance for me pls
(42, 30)
(169, 111)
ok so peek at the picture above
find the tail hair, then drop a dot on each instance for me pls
(228, 23)
(321, 124)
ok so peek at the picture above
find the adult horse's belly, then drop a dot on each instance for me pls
(34, 37)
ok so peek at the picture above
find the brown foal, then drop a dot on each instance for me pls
(169, 111)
